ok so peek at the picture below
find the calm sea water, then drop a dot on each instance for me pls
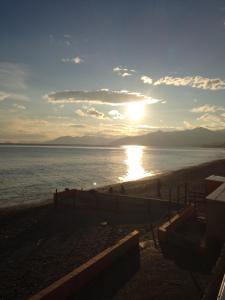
(32, 173)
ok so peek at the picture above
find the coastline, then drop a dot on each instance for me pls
(191, 174)
(188, 174)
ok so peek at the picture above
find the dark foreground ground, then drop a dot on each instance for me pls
(159, 279)
(40, 244)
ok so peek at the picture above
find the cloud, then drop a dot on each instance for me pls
(146, 79)
(80, 112)
(67, 43)
(211, 117)
(198, 82)
(207, 108)
(188, 125)
(213, 121)
(115, 114)
(18, 106)
(123, 72)
(3, 96)
(126, 74)
(13, 77)
(92, 112)
(104, 96)
(75, 60)
(12, 96)
(95, 113)
(13, 81)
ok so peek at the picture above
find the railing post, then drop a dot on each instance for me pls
(158, 187)
(185, 193)
(178, 194)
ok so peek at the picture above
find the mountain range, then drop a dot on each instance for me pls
(83, 140)
(196, 137)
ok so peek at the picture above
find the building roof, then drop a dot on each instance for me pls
(216, 178)
(218, 194)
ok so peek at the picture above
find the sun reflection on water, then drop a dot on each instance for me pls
(134, 162)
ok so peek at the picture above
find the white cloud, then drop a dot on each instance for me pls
(207, 108)
(75, 60)
(99, 97)
(115, 114)
(123, 72)
(193, 81)
(118, 69)
(126, 74)
(80, 112)
(146, 79)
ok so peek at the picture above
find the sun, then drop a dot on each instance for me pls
(135, 111)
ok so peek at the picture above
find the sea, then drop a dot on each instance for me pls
(31, 174)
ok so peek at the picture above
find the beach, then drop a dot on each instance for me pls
(39, 244)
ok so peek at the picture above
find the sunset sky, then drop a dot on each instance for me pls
(108, 68)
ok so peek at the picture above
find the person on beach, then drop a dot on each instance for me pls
(158, 186)
(122, 189)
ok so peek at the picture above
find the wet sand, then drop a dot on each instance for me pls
(40, 244)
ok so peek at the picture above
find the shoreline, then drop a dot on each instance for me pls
(130, 185)
(167, 175)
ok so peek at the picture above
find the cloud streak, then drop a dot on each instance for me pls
(207, 108)
(103, 96)
(76, 60)
(123, 72)
(213, 121)
(3, 96)
(198, 82)
(13, 77)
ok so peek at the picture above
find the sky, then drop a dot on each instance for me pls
(110, 68)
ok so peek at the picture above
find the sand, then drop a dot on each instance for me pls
(40, 244)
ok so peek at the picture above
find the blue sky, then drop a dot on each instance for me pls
(75, 67)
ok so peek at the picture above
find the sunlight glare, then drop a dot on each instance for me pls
(135, 169)
(135, 111)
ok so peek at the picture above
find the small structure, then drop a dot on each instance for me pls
(197, 236)
(213, 182)
(215, 214)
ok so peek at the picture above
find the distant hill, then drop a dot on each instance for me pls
(83, 140)
(196, 137)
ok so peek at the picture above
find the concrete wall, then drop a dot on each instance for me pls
(147, 208)
(100, 277)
